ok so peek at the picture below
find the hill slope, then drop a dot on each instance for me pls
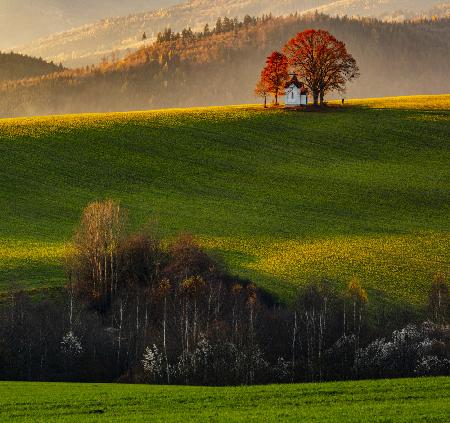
(16, 66)
(391, 10)
(280, 196)
(421, 399)
(88, 44)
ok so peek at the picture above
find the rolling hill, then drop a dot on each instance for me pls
(16, 66)
(280, 196)
(88, 44)
(400, 400)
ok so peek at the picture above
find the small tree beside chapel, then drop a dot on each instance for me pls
(262, 91)
(274, 76)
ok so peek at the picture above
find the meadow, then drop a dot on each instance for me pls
(278, 196)
(401, 400)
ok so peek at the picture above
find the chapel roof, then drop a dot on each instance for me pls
(295, 81)
(300, 85)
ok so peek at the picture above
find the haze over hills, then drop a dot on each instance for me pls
(222, 67)
(22, 21)
(89, 43)
(390, 10)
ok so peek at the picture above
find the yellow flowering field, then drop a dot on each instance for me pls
(419, 102)
(32, 264)
(17, 251)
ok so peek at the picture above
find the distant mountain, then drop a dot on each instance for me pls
(222, 67)
(16, 66)
(22, 21)
(88, 44)
(390, 10)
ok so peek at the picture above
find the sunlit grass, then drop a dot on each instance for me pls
(280, 196)
(30, 264)
(395, 265)
(22, 250)
(396, 400)
(420, 102)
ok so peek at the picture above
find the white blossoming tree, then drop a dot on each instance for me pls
(71, 345)
(153, 363)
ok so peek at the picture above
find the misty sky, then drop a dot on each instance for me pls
(22, 21)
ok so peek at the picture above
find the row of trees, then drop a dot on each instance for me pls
(321, 61)
(222, 26)
(140, 311)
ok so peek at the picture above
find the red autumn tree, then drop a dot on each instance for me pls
(275, 74)
(322, 61)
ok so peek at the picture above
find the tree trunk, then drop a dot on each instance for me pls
(294, 336)
(321, 97)
(344, 318)
(119, 338)
(316, 98)
(164, 340)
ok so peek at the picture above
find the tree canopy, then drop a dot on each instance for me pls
(275, 74)
(322, 61)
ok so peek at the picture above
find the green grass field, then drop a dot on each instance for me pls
(403, 400)
(280, 196)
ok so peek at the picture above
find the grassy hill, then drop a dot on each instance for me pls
(280, 196)
(401, 400)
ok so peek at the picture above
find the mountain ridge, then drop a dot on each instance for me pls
(90, 43)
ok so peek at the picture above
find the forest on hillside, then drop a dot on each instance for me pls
(87, 44)
(221, 65)
(15, 66)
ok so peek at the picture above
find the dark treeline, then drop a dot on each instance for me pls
(137, 310)
(220, 65)
(17, 66)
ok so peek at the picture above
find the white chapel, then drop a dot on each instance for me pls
(296, 94)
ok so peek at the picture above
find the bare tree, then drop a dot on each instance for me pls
(96, 243)
(439, 299)
(358, 298)
(164, 290)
